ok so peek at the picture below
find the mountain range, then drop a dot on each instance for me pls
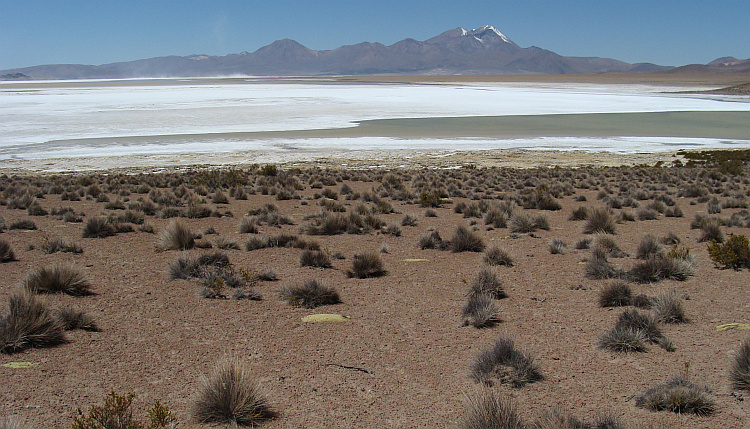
(484, 50)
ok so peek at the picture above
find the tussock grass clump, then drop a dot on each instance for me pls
(73, 319)
(608, 244)
(311, 294)
(6, 252)
(365, 265)
(660, 267)
(496, 217)
(521, 223)
(177, 236)
(711, 231)
(486, 282)
(599, 268)
(615, 294)
(28, 324)
(557, 419)
(464, 240)
(57, 279)
(505, 363)
(648, 247)
(480, 311)
(248, 225)
(739, 371)
(486, 409)
(600, 221)
(98, 227)
(667, 308)
(431, 241)
(226, 243)
(496, 255)
(314, 258)
(580, 213)
(557, 247)
(59, 245)
(231, 396)
(409, 220)
(623, 340)
(23, 224)
(678, 395)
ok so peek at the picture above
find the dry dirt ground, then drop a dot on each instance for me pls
(158, 337)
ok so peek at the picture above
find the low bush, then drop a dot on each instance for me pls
(365, 265)
(231, 396)
(506, 364)
(599, 268)
(116, 413)
(59, 245)
(57, 279)
(311, 294)
(557, 247)
(659, 267)
(521, 223)
(623, 340)
(678, 395)
(711, 231)
(735, 253)
(431, 241)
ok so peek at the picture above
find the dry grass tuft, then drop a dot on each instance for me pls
(57, 279)
(314, 258)
(615, 294)
(739, 371)
(6, 252)
(486, 282)
(231, 396)
(505, 363)
(496, 255)
(366, 265)
(466, 241)
(486, 409)
(600, 221)
(311, 294)
(678, 395)
(73, 319)
(98, 227)
(28, 324)
(177, 236)
(480, 311)
(667, 308)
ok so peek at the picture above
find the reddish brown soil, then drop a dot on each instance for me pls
(158, 337)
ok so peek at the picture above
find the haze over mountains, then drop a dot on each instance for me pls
(484, 50)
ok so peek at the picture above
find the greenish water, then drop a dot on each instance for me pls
(719, 125)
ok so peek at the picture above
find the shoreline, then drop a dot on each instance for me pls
(373, 159)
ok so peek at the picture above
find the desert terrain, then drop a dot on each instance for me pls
(404, 356)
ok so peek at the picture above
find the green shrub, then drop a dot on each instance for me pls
(116, 413)
(735, 253)
(427, 199)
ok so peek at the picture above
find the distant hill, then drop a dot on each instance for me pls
(483, 50)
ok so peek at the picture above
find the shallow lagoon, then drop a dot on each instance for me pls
(193, 116)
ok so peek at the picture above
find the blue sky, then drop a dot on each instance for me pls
(668, 32)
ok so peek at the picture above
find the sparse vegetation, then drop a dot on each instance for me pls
(28, 324)
(365, 265)
(311, 294)
(117, 413)
(231, 396)
(57, 279)
(678, 395)
(506, 364)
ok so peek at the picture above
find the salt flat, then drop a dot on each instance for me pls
(192, 116)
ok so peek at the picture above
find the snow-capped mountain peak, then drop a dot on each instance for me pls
(479, 32)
